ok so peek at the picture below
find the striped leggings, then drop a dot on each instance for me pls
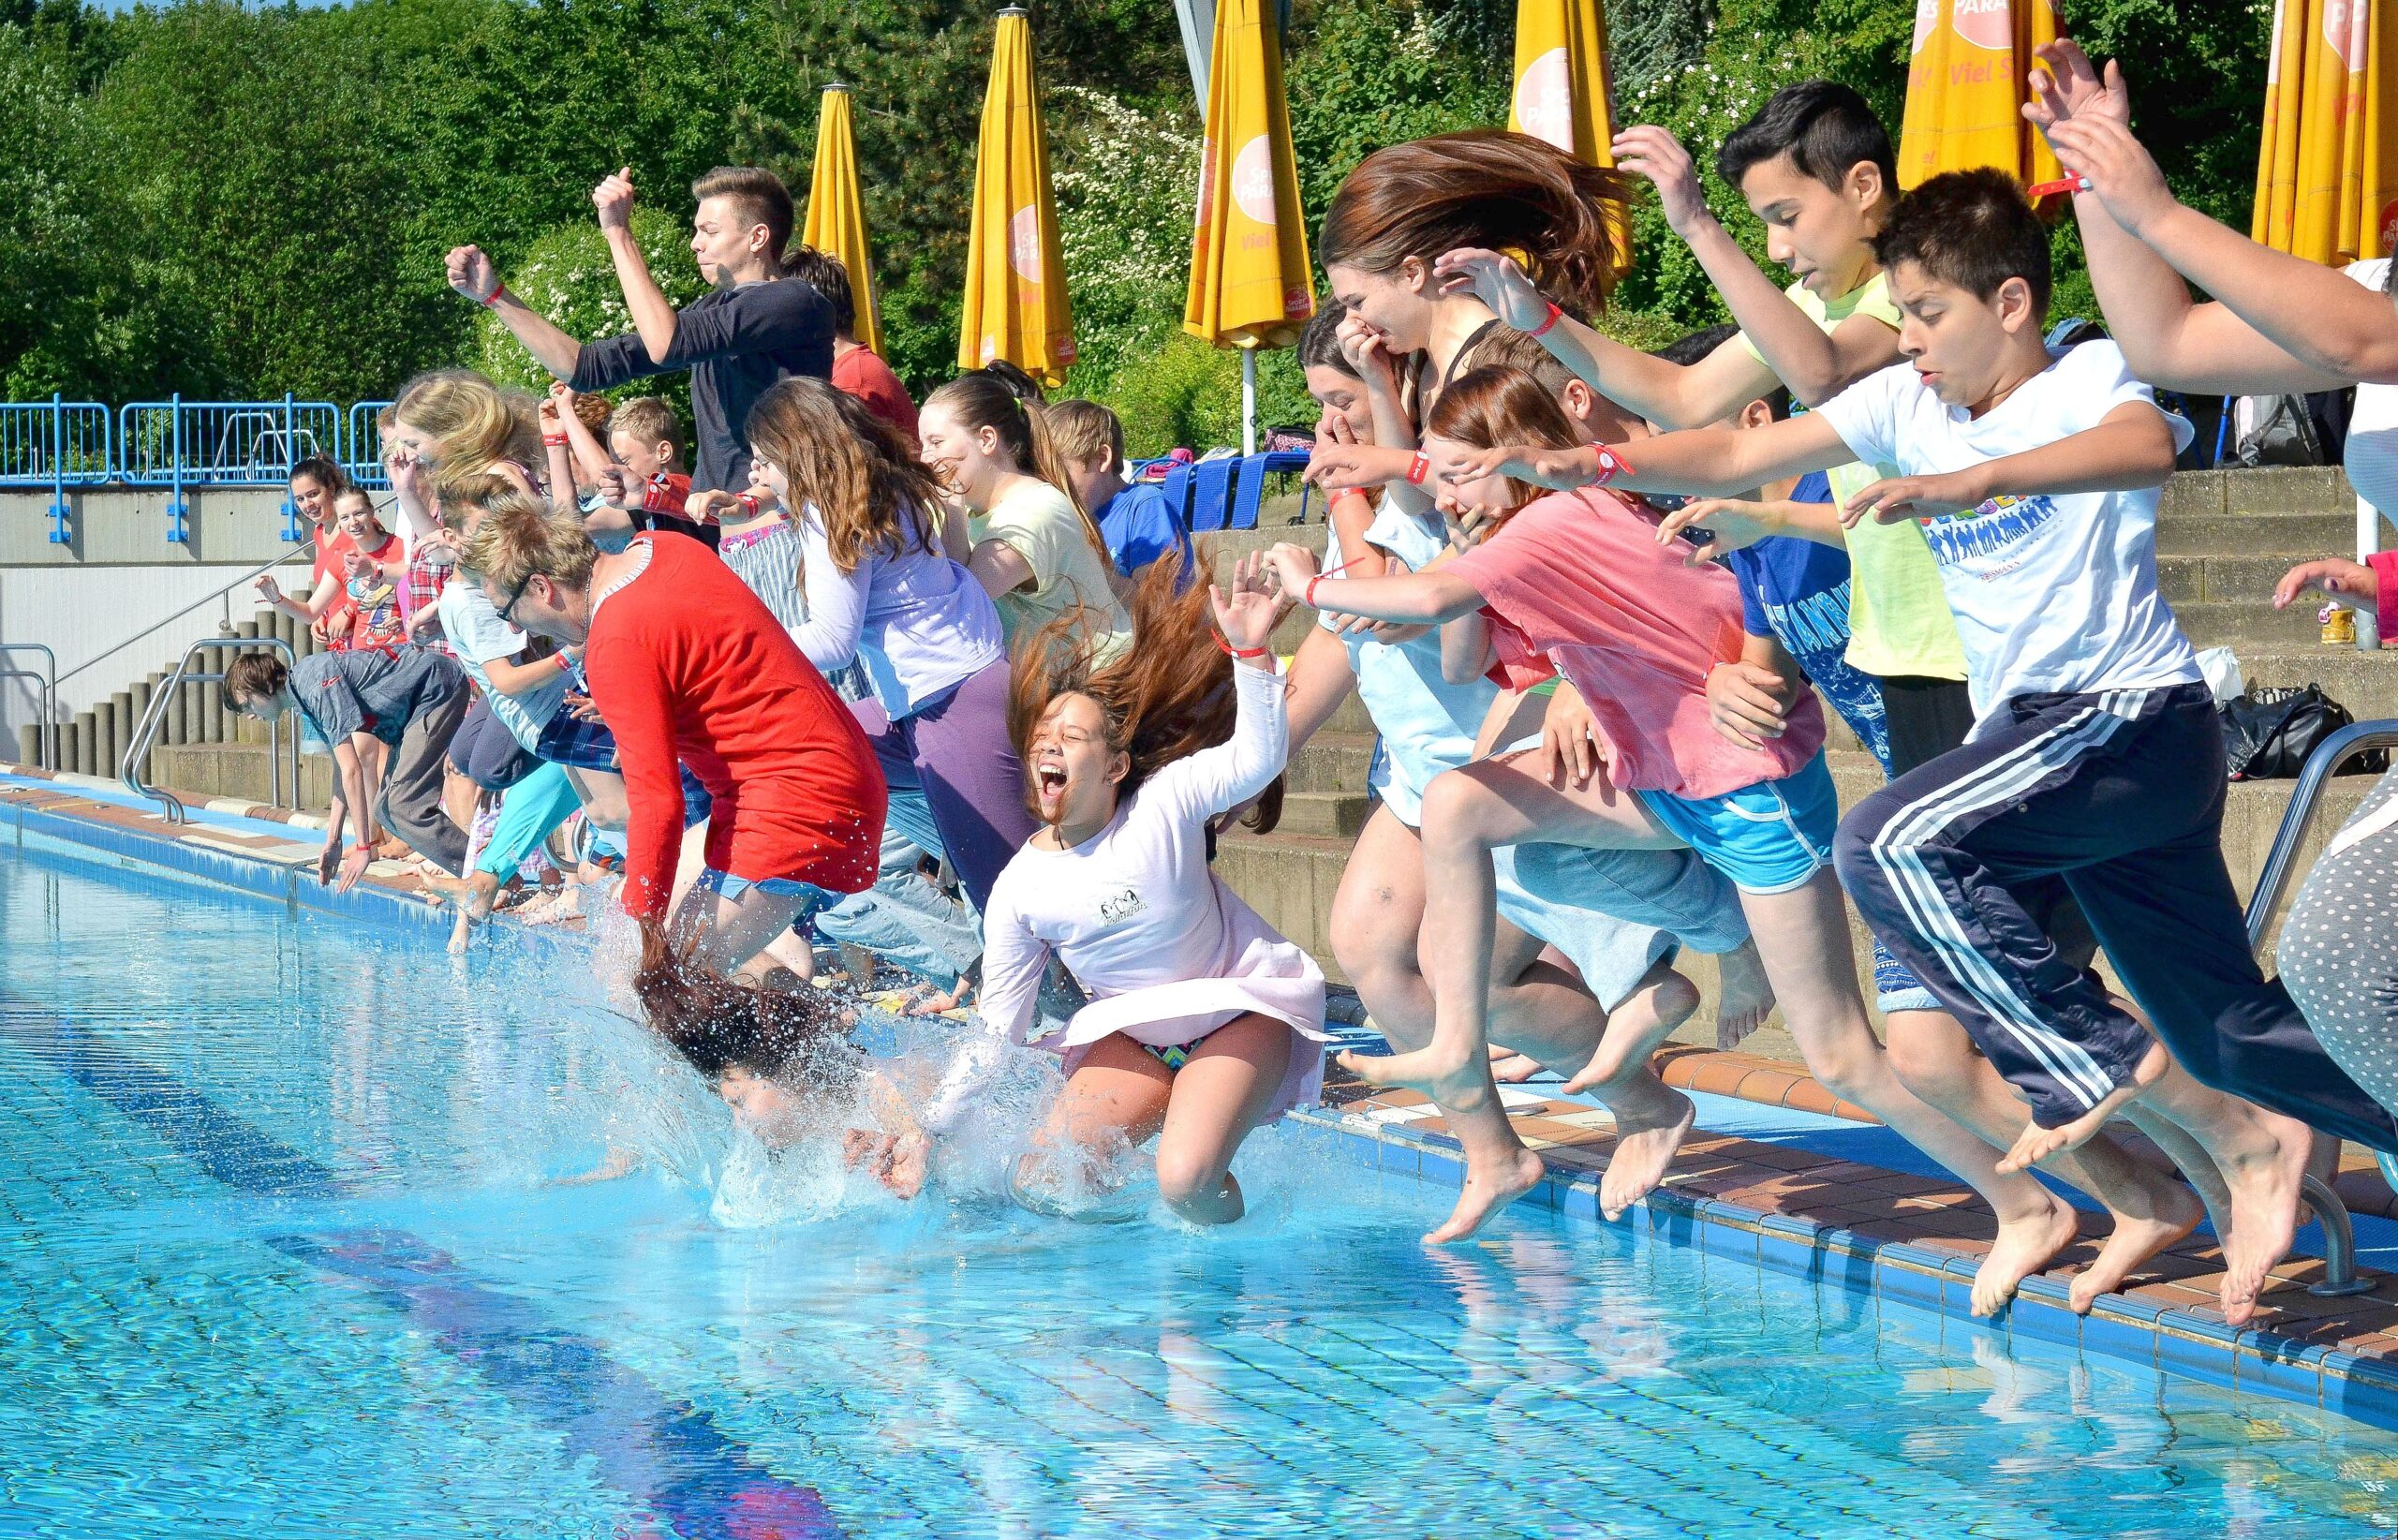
(2122, 794)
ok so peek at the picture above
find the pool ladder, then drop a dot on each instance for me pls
(2281, 863)
(170, 806)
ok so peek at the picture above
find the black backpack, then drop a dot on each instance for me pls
(2269, 734)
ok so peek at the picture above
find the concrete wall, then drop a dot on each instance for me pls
(118, 573)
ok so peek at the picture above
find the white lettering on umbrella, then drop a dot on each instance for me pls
(1927, 16)
(1545, 99)
(1024, 243)
(1984, 24)
(1253, 180)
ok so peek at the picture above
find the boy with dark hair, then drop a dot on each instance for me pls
(2095, 756)
(412, 699)
(752, 330)
(857, 369)
(1134, 518)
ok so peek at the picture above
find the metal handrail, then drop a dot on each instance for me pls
(47, 679)
(249, 576)
(2281, 863)
(170, 806)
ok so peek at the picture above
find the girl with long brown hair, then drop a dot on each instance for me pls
(1032, 546)
(1408, 330)
(1204, 1023)
(880, 591)
(1579, 581)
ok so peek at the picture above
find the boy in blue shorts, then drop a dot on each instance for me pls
(2096, 755)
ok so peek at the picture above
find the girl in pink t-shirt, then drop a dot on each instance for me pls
(1577, 581)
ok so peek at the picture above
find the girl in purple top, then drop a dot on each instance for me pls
(881, 592)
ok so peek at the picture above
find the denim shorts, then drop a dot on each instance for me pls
(1769, 837)
(725, 885)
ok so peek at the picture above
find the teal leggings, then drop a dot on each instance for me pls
(532, 807)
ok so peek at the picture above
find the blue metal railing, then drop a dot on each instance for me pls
(177, 443)
(362, 446)
(56, 444)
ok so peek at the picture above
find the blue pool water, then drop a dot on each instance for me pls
(282, 1254)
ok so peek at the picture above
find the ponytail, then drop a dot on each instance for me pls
(1486, 187)
(979, 400)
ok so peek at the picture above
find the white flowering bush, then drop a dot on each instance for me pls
(569, 277)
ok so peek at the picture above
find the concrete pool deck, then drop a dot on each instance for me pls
(1779, 1174)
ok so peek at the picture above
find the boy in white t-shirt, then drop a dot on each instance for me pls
(2096, 755)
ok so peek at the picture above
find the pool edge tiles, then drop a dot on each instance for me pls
(1905, 1240)
(2173, 1339)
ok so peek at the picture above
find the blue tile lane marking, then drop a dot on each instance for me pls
(667, 1456)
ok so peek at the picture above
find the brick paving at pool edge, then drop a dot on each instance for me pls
(1914, 1240)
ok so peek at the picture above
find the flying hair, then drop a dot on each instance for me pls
(850, 467)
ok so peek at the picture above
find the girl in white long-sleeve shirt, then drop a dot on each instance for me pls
(882, 591)
(1204, 1023)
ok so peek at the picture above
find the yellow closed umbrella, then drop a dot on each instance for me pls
(2326, 171)
(1250, 283)
(1564, 94)
(1966, 89)
(837, 209)
(1015, 271)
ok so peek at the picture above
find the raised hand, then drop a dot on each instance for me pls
(471, 274)
(1247, 613)
(1895, 499)
(1727, 524)
(1652, 152)
(268, 589)
(1496, 281)
(2343, 583)
(2065, 85)
(614, 198)
(2103, 152)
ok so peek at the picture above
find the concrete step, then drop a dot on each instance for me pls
(2301, 536)
(2240, 578)
(2251, 624)
(1324, 815)
(2273, 491)
(1333, 761)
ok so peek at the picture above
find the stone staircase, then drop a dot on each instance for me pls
(2224, 538)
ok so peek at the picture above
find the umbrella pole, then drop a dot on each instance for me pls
(1249, 400)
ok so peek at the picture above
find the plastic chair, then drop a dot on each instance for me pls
(1211, 494)
(1251, 488)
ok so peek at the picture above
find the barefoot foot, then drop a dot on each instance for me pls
(1423, 1069)
(2038, 1144)
(2023, 1247)
(2264, 1181)
(1486, 1193)
(1512, 1068)
(2137, 1238)
(1747, 997)
(1645, 1147)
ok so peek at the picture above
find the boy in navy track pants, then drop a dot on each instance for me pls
(2095, 756)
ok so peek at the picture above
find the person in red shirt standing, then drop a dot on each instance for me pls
(686, 664)
(857, 369)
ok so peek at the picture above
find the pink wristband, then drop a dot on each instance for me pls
(1418, 469)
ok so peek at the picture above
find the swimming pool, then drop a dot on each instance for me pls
(281, 1254)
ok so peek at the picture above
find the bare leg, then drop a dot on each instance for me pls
(1118, 1093)
(2261, 1155)
(1936, 1061)
(2037, 1144)
(726, 933)
(1226, 1089)
(1804, 936)
(602, 795)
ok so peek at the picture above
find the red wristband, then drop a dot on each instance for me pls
(566, 664)
(1418, 469)
(748, 501)
(500, 292)
(554, 440)
(1542, 330)
(1231, 651)
(1306, 595)
(1611, 465)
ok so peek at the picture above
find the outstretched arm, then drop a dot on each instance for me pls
(1704, 462)
(2131, 447)
(1427, 598)
(1815, 363)
(471, 274)
(1675, 394)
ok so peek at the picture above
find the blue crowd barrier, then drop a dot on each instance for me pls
(177, 444)
(56, 443)
(361, 447)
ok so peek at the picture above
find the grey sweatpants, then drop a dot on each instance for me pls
(410, 805)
